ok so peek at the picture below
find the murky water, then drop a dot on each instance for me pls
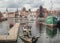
(43, 36)
(4, 28)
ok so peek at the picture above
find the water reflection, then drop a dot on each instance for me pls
(4, 27)
(45, 38)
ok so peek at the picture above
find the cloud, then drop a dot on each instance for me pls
(13, 5)
(18, 3)
(32, 3)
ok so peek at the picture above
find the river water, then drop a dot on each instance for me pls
(4, 28)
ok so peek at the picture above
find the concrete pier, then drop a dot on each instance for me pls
(12, 35)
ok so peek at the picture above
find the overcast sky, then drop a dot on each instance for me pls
(30, 3)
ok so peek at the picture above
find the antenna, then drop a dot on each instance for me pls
(7, 12)
(17, 10)
(51, 5)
